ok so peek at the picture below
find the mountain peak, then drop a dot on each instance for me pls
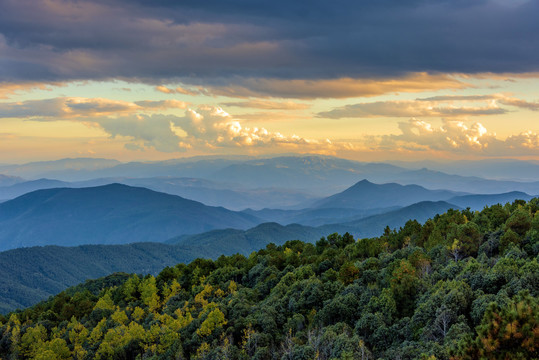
(367, 195)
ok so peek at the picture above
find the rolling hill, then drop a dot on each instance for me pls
(110, 214)
(374, 225)
(218, 242)
(316, 217)
(479, 201)
(367, 296)
(212, 193)
(6, 180)
(29, 275)
(471, 184)
(273, 232)
(24, 187)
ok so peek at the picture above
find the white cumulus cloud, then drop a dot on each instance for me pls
(212, 126)
(459, 137)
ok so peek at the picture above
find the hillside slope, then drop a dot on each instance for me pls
(24, 187)
(29, 275)
(479, 201)
(374, 225)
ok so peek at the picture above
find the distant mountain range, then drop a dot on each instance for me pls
(63, 169)
(120, 214)
(231, 196)
(471, 184)
(314, 175)
(6, 180)
(494, 169)
(366, 195)
(479, 201)
(316, 217)
(110, 214)
(272, 232)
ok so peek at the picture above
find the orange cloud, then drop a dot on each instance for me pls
(77, 107)
(338, 88)
(178, 90)
(501, 98)
(407, 109)
(507, 76)
(162, 104)
(269, 105)
(9, 89)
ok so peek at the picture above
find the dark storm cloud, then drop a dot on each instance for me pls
(162, 41)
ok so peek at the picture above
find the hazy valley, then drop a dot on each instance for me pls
(217, 210)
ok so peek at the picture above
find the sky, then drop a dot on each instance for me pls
(368, 80)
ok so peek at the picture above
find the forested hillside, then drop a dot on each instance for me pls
(30, 275)
(462, 286)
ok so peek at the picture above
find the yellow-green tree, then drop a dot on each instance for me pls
(148, 293)
(55, 349)
(77, 336)
(33, 340)
(214, 320)
(105, 303)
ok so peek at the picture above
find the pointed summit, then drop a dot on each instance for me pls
(367, 195)
(363, 183)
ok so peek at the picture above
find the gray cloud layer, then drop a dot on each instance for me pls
(442, 106)
(153, 41)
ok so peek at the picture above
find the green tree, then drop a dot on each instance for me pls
(519, 222)
(404, 283)
(348, 273)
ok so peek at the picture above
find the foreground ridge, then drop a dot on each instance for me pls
(463, 285)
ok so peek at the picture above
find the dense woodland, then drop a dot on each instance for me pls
(463, 285)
